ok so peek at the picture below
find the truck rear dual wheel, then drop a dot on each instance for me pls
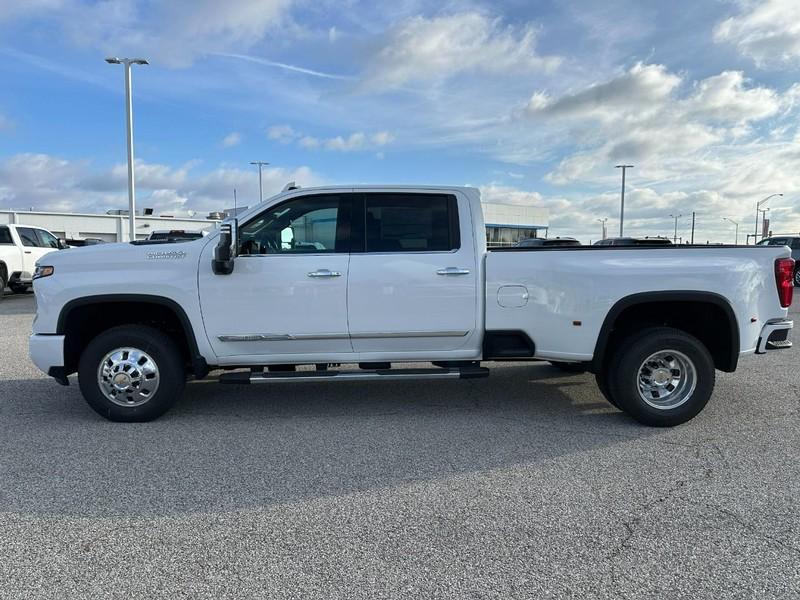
(131, 373)
(661, 376)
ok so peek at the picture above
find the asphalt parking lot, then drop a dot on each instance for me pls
(523, 485)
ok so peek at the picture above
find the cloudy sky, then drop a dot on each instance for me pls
(532, 101)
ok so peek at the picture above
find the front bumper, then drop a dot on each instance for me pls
(47, 351)
(775, 336)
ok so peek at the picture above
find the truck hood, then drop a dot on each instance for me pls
(109, 255)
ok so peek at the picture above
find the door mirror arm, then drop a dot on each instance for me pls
(226, 249)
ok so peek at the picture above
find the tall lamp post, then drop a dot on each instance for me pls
(758, 210)
(622, 198)
(737, 228)
(127, 63)
(675, 238)
(260, 164)
(602, 227)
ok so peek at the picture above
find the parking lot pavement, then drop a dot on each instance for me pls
(523, 485)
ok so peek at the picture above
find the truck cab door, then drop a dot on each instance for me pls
(414, 280)
(286, 300)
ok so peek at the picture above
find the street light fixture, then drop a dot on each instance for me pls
(127, 62)
(675, 239)
(758, 210)
(260, 164)
(622, 198)
(737, 228)
(603, 227)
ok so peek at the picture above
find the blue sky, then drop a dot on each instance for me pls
(532, 101)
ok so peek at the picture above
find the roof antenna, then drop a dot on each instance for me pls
(290, 186)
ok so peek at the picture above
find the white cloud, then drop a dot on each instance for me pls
(355, 141)
(173, 33)
(641, 116)
(767, 31)
(637, 89)
(47, 182)
(15, 9)
(282, 133)
(232, 139)
(5, 123)
(425, 49)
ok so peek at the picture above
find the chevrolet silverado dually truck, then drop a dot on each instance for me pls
(375, 277)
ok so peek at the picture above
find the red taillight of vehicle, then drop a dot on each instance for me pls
(784, 272)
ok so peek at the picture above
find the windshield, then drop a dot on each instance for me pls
(774, 242)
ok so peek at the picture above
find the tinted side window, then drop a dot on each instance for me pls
(796, 244)
(411, 223)
(46, 239)
(5, 236)
(28, 237)
(306, 225)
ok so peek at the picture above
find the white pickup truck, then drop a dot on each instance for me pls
(20, 247)
(379, 276)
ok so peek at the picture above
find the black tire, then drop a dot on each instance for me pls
(3, 281)
(19, 288)
(568, 367)
(163, 352)
(697, 367)
(797, 277)
(602, 383)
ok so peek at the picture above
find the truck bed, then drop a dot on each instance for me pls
(560, 297)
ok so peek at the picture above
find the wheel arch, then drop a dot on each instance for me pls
(72, 323)
(721, 338)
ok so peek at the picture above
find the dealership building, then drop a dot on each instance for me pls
(108, 227)
(506, 224)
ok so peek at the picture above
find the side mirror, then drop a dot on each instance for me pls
(225, 252)
(62, 244)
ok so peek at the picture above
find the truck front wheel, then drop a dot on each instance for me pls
(131, 373)
(661, 376)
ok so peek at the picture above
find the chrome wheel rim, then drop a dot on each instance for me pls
(128, 377)
(666, 379)
(797, 277)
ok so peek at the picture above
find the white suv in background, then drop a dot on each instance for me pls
(20, 247)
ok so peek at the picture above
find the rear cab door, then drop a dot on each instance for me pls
(414, 276)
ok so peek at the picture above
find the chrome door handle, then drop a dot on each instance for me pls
(324, 273)
(452, 271)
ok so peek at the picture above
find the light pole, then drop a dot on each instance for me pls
(758, 209)
(260, 164)
(127, 63)
(675, 239)
(602, 227)
(737, 228)
(622, 198)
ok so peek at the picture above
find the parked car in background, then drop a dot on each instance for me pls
(76, 243)
(793, 241)
(547, 242)
(631, 241)
(20, 247)
(175, 235)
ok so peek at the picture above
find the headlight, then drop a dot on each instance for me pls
(43, 271)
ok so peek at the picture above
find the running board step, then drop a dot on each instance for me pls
(376, 375)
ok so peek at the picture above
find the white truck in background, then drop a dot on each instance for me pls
(379, 276)
(20, 247)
